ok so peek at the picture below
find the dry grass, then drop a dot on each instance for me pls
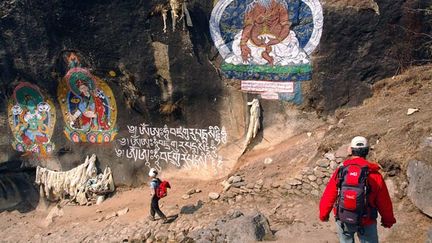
(383, 118)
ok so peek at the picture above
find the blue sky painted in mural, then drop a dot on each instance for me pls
(300, 16)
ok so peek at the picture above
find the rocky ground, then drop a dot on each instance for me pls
(274, 191)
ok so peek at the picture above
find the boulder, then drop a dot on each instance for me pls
(258, 187)
(315, 192)
(305, 190)
(238, 184)
(326, 180)
(420, 186)
(268, 161)
(122, 212)
(275, 185)
(286, 187)
(412, 111)
(214, 195)
(191, 191)
(314, 185)
(250, 186)
(298, 192)
(226, 185)
(322, 187)
(100, 199)
(260, 182)
(330, 156)
(235, 179)
(319, 174)
(342, 151)
(233, 214)
(228, 195)
(294, 182)
(247, 228)
(298, 177)
(307, 171)
(333, 165)
(323, 163)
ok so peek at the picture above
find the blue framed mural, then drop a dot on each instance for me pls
(267, 40)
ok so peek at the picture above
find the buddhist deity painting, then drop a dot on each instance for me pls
(32, 118)
(88, 105)
(269, 41)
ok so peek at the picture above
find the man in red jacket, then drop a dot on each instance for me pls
(378, 198)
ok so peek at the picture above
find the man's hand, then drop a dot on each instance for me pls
(324, 219)
(386, 225)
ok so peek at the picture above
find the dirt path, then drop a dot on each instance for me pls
(295, 219)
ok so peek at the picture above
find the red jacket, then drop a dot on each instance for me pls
(379, 197)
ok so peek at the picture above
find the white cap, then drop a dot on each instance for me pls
(359, 142)
(153, 172)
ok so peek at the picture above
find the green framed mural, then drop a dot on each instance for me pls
(32, 118)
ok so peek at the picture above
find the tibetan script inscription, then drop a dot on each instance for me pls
(183, 147)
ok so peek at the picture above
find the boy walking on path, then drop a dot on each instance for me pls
(154, 205)
(357, 192)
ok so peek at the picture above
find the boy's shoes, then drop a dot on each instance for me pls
(164, 220)
(151, 218)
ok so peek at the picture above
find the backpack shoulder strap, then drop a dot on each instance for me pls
(340, 175)
(157, 181)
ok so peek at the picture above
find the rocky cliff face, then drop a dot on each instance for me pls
(361, 43)
(34, 36)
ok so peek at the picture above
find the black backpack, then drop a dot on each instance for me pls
(352, 201)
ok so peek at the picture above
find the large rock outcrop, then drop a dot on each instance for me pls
(429, 236)
(236, 227)
(420, 186)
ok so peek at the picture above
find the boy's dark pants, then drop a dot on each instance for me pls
(154, 208)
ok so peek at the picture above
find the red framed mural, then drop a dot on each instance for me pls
(88, 105)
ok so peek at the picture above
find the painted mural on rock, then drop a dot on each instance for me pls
(32, 118)
(88, 105)
(267, 43)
